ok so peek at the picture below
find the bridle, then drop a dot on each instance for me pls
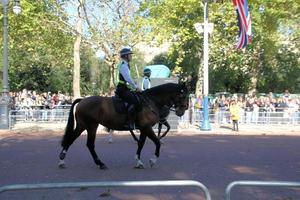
(172, 105)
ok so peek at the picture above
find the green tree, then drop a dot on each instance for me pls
(36, 48)
(230, 69)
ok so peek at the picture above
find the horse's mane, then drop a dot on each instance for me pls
(164, 88)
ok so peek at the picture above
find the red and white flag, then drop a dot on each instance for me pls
(244, 23)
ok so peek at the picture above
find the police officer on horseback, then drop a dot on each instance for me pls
(126, 87)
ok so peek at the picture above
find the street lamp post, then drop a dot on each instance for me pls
(5, 99)
(205, 28)
(205, 124)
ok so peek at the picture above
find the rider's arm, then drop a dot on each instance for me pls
(124, 70)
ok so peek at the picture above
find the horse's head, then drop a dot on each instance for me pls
(181, 100)
(170, 94)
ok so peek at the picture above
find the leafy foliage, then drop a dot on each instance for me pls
(38, 50)
(41, 43)
(275, 37)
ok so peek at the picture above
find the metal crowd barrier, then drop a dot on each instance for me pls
(61, 115)
(258, 183)
(107, 184)
(164, 183)
(251, 118)
(193, 116)
(39, 115)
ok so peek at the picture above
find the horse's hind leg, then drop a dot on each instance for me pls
(110, 136)
(159, 129)
(133, 135)
(91, 136)
(67, 141)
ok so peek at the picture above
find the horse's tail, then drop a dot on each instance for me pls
(69, 131)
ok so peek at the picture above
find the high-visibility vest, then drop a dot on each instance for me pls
(120, 80)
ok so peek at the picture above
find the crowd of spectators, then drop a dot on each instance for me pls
(253, 102)
(27, 99)
(252, 106)
(47, 100)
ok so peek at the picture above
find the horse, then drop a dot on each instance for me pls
(88, 113)
(110, 135)
(160, 123)
(166, 123)
(164, 113)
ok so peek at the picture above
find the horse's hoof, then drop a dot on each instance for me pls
(139, 167)
(61, 164)
(103, 167)
(152, 162)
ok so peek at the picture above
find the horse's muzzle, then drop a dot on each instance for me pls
(179, 112)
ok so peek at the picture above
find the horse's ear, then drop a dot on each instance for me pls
(184, 86)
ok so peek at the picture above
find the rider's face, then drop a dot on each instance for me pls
(129, 56)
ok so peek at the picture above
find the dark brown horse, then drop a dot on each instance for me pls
(88, 113)
(160, 123)
(164, 113)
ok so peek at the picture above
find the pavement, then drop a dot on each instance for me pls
(214, 158)
(244, 129)
(183, 128)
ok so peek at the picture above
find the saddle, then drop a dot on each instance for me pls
(120, 105)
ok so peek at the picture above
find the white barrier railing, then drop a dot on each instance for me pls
(258, 183)
(107, 184)
(190, 117)
(40, 115)
(251, 118)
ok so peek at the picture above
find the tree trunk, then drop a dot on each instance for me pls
(253, 84)
(199, 84)
(255, 72)
(113, 75)
(76, 69)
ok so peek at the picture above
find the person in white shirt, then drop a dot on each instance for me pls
(146, 83)
(126, 87)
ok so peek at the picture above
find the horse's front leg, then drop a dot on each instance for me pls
(156, 141)
(168, 128)
(141, 143)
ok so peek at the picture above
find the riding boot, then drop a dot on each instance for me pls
(131, 116)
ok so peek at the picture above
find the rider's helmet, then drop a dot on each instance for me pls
(125, 51)
(147, 72)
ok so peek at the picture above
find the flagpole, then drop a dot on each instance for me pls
(205, 123)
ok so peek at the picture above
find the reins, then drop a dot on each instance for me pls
(164, 104)
(146, 99)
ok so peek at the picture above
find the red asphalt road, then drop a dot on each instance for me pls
(214, 160)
